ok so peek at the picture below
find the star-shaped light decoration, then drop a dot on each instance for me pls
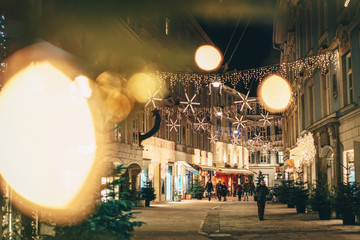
(245, 101)
(200, 124)
(173, 125)
(240, 122)
(250, 143)
(235, 140)
(189, 103)
(257, 137)
(266, 146)
(266, 118)
(152, 98)
(213, 138)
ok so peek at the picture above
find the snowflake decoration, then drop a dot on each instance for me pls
(266, 118)
(250, 143)
(189, 103)
(257, 137)
(235, 140)
(152, 98)
(245, 101)
(240, 122)
(213, 138)
(173, 125)
(200, 124)
(266, 146)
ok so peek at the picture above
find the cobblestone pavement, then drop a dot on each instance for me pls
(194, 219)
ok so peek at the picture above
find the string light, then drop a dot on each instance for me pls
(307, 143)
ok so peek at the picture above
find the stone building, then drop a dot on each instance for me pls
(323, 119)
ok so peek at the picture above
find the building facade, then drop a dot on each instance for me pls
(323, 118)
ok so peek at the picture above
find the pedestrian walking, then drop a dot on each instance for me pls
(246, 189)
(218, 190)
(260, 196)
(209, 187)
(239, 191)
(252, 188)
(224, 190)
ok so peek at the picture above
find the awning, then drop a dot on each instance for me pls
(208, 168)
(229, 170)
(188, 167)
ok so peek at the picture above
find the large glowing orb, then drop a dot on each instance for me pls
(208, 58)
(48, 141)
(274, 93)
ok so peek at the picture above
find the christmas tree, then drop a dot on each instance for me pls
(259, 178)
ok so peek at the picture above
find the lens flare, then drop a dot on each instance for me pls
(49, 146)
(274, 93)
(208, 58)
(140, 84)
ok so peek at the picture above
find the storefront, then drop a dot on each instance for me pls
(184, 177)
(233, 177)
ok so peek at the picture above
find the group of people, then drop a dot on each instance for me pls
(247, 188)
(221, 190)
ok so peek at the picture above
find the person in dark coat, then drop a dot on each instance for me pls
(218, 190)
(224, 190)
(209, 187)
(260, 195)
(239, 191)
(252, 188)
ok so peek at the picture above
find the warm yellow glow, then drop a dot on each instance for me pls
(208, 57)
(47, 136)
(274, 93)
(83, 86)
(140, 85)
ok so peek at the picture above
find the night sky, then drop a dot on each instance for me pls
(255, 48)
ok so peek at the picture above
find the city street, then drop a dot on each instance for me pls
(195, 219)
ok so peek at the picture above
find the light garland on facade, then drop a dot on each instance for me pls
(160, 152)
(307, 143)
(245, 77)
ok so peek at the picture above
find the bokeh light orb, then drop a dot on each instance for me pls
(49, 144)
(274, 93)
(208, 58)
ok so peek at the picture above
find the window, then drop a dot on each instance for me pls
(263, 156)
(195, 137)
(311, 104)
(302, 111)
(328, 93)
(348, 88)
(178, 138)
(280, 157)
(135, 131)
(308, 27)
(323, 21)
(263, 132)
(167, 128)
(188, 134)
(143, 122)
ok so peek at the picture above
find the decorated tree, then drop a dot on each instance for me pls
(111, 220)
